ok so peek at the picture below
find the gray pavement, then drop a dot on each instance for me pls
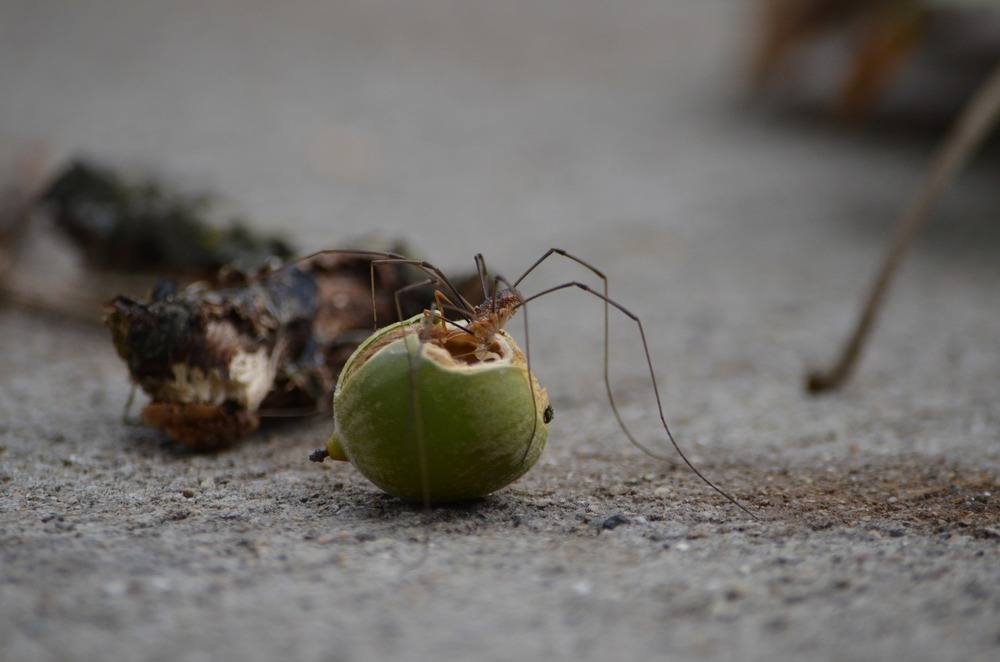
(615, 130)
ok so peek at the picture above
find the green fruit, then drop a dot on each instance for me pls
(474, 419)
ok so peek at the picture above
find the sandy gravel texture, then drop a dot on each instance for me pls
(617, 131)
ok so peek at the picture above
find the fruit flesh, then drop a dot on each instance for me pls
(475, 420)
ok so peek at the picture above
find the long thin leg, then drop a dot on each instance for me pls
(412, 286)
(527, 359)
(438, 275)
(656, 390)
(483, 274)
(980, 114)
(436, 314)
(415, 409)
(418, 433)
(443, 303)
(446, 307)
(558, 251)
(422, 265)
(321, 454)
(607, 330)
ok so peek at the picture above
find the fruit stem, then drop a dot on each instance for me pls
(334, 449)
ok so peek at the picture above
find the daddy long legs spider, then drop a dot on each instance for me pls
(472, 339)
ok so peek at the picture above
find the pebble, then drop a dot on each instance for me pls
(614, 521)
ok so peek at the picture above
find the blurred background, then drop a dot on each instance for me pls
(734, 167)
(337, 118)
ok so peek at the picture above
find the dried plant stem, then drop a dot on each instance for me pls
(967, 134)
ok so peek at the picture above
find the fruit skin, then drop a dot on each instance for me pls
(476, 419)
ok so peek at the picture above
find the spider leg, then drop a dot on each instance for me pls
(418, 433)
(483, 274)
(386, 257)
(433, 271)
(527, 359)
(656, 390)
(607, 329)
(405, 288)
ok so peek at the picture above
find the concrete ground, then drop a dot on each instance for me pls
(615, 130)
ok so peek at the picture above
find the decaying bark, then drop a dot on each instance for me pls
(214, 358)
(217, 355)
